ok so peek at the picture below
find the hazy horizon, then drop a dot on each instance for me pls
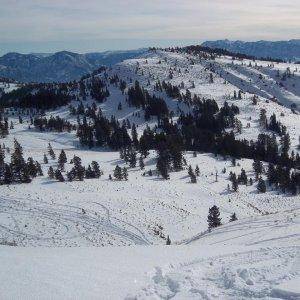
(51, 26)
(117, 45)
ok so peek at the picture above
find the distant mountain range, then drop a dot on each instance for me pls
(285, 50)
(58, 67)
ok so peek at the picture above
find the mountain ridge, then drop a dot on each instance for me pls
(60, 66)
(285, 50)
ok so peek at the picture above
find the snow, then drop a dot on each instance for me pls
(287, 290)
(268, 269)
(106, 239)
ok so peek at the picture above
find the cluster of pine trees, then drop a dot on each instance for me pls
(44, 98)
(77, 172)
(53, 124)
(153, 105)
(120, 173)
(18, 170)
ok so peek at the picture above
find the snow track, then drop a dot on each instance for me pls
(61, 222)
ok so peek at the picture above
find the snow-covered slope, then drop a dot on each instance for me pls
(255, 258)
(59, 228)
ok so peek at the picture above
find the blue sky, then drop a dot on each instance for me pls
(96, 25)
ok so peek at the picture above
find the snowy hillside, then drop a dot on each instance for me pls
(58, 229)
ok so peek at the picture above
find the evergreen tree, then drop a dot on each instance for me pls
(78, 169)
(261, 186)
(132, 159)
(31, 168)
(89, 172)
(258, 168)
(96, 169)
(213, 218)
(17, 162)
(51, 173)
(233, 217)
(62, 159)
(134, 136)
(118, 174)
(168, 242)
(8, 176)
(2, 165)
(162, 168)
(51, 152)
(141, 163)
(197, 171)
(59, 176)
(39, 169)
(243, 177)
(192, 175)
(234, 181)
(25, 176)
(125, 174)
(285, 144)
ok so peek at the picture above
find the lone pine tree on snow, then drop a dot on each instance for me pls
(233, 217)
(213, 218)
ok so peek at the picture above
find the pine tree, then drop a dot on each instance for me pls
(78, 169)
(2, 157)
(62, 159)
(233, 217)
(125, 174)
(261, 186)
(51, 152)
(285, 144)
(141, 163)
(263, 118)
(168, 242)
(234, 181)
(96, 169)
(197, 171)
(134, 136)
(258, 168)
(213, 218)
(8, 176)
(31, 167)
(70, 176)
(25, 176)
(59, 176)
(17, 162)
(2, 164)
(39, 169)
(243, 177)
(118, 174)
(192, 175)
(89, 172)
(162, 165)
(51, 173)
(132, 159)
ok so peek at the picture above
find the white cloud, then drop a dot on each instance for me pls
(69, 20)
